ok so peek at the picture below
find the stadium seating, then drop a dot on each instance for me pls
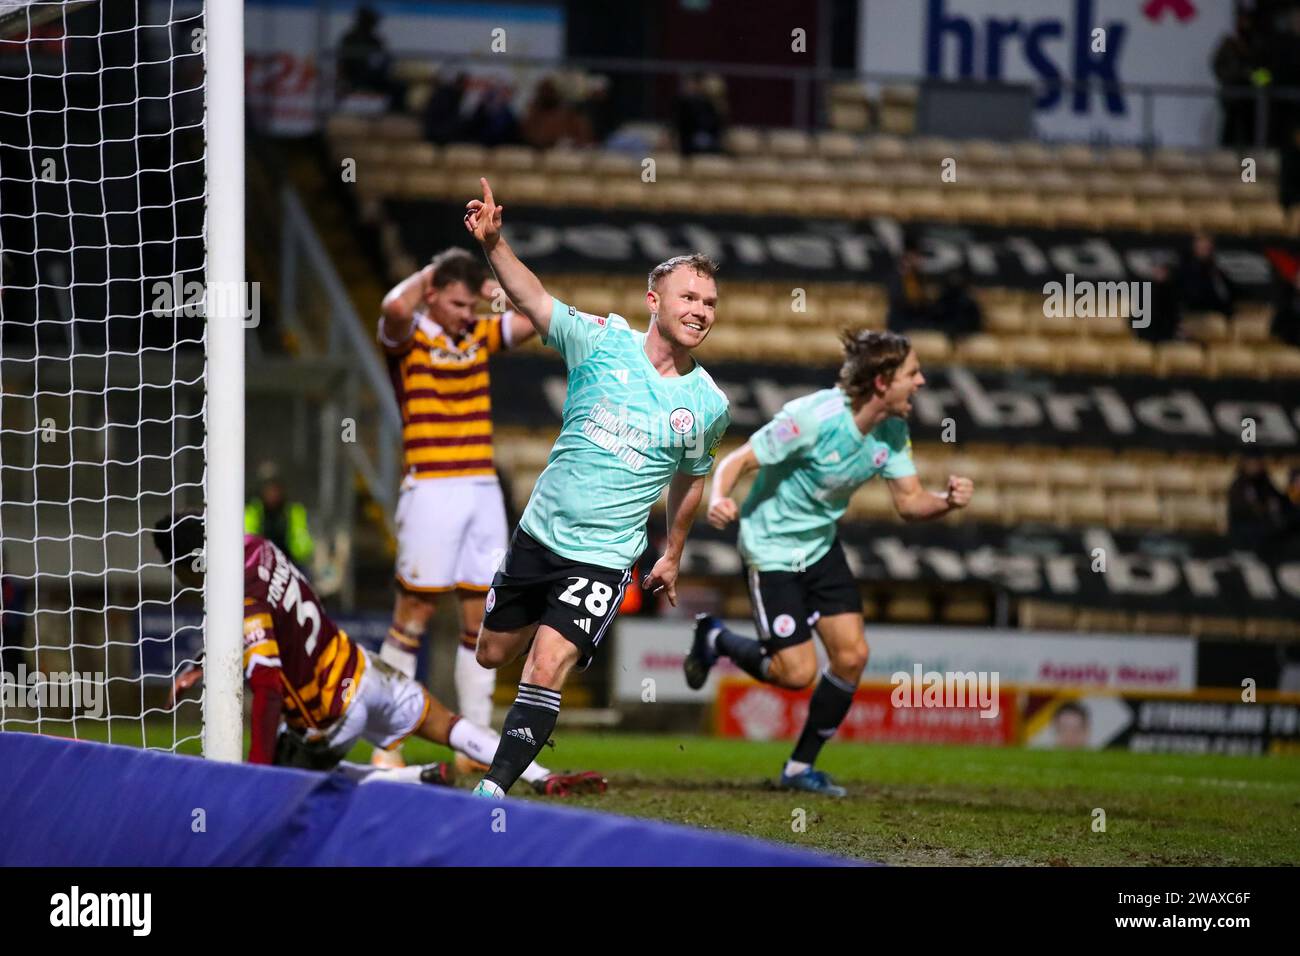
(790, 172)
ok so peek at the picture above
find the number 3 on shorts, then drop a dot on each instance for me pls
(597, 601)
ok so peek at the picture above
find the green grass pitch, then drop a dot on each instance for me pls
(931, 805)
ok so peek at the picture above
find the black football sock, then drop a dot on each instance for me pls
(745, 651)
(829, 705)
(527, 727)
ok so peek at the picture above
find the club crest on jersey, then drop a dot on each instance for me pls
(880, 457)
(491, 601)
(681, 420)
(783, 626)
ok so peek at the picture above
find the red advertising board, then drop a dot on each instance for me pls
(754, 711)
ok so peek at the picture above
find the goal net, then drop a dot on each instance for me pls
(104, 363)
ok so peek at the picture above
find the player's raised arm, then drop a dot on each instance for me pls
(914, 503)
(483, 220)
(401, 303)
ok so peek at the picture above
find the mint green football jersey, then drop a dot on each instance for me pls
(627, 430)
(813, 458)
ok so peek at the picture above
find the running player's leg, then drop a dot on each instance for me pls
(783, 653)
(842, 634)
(531, 719)
(831, 592)
(556, 609)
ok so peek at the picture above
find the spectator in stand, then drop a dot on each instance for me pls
(282, 522)
(1205, 287)
(493, 122)
(597, 108)
(699, 119)
(365, 65)
(1166, 311)
(956, 312)
(1260, 518)
(551, 122)
(910, 303)
(1293, 488)
(1286, 310)
(1238, 62)
(442, 120)
(1288, 178)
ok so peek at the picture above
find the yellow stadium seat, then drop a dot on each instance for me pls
(743, 140)
(986, 505)
(932, 347)
(1005, 318)
(1191, 513)
(709, 166)
(1082, 507)
(837, 145)
(1120, 475)
(1031, 505)
(1075, 156)
(1180, 358)
(1173, 478)
(1145, 622)
(907, 608)
(566, 161)
(1218, 216)
(1282, 361)
(1133, 356)
(1166, 215)
(1235, 361)
(1030, 352)
(1134, 509)
(981, 350)
(465, 156)
(1030, 155)
(1047, 616)
(789, 142)
(1176, 162)
(1205, 625)
(1104, 620)
(513, 157)
(1124, 159)
(1104, 185)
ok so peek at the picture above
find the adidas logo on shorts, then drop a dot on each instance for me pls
(584, 623)
(523, 733)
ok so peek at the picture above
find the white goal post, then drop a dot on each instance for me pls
(223, 701)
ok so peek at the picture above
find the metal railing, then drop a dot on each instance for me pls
(316, 309)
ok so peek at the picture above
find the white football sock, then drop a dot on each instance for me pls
(480, 744)
(793, 768)
(402, 660)
(474, 685)
(366, 773)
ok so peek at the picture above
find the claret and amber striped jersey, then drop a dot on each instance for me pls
(285, 628)
(442, 390)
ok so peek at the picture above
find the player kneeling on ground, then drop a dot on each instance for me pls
(329, 691)
(810, 459)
